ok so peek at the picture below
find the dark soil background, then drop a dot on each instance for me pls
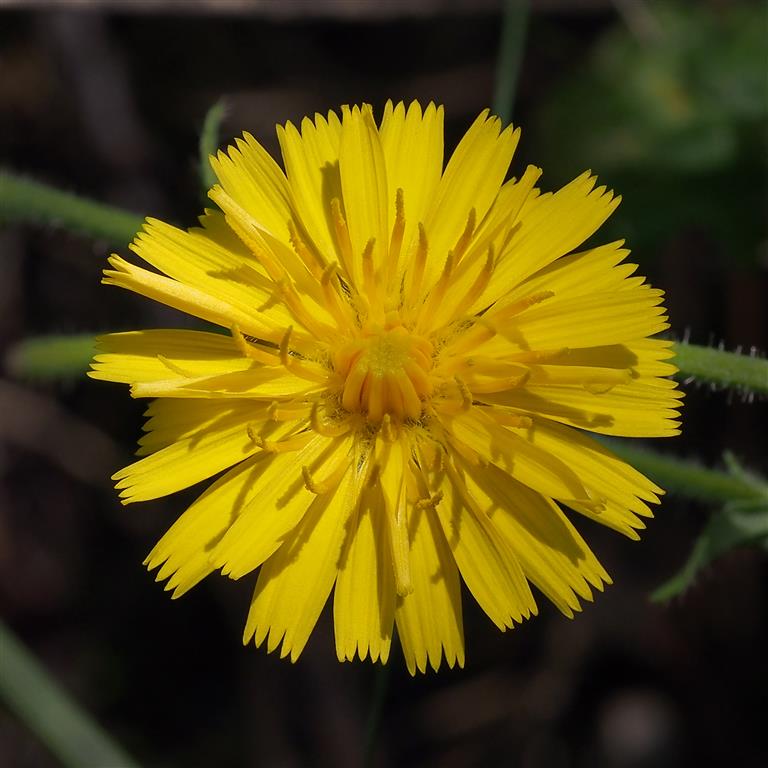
(109, 104)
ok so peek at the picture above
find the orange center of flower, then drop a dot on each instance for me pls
(385, 371)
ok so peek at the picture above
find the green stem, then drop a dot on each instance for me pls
(511, 48)
(38, 701)
(727, 369)
(209, 143)
(50, 357)
(26, 200)
(687, 478)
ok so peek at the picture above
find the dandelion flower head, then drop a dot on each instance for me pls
(410, 356)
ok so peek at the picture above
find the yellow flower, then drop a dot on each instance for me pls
(399, 399)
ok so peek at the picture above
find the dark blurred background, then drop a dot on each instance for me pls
(667, 102)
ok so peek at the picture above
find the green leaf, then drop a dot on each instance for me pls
(209, 143)
(740, 523)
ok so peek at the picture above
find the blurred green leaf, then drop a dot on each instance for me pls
(738, 524)
(675, 121)
(741, 522)
(209, 144)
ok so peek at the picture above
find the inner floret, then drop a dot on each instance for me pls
(385, 370)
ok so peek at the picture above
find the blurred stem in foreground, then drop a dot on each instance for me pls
(51, 357)
(510, 57)
(26, 200)
(209, 143)
(689, 478)
(50, 713)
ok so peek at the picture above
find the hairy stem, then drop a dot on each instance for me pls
(22, 199)
(727, 369)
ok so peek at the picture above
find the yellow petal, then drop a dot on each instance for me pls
(487, 565)
(191, 300)
(170, 420)
(582, 321)
(551, 552)
(312, 165)
(219, 445)
(526, 462)
(472, 179)
(364, 183)
(280, 503)
(412, 143)
(632, 410)
(429, 621)
(256, 182)
(364, 598)
(626, 493)
(156, 355)
(394, 469)
(578, 210)
(598, 270)
(258, 382)
(184, 552)
(487, 243)
(193, 364)
(294, 584)
(197, 260)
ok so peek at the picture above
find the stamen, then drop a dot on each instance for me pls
(178, 370)
(249, 350)
(278, 411)
(337, 304)
(328, 428)
(313, 261)
(514, 420)
(499, 384)
(429, 502)
(343, 240)
(436, 295)
(416, 272)
(516, 307)
(466, 236)
(467, 341)
(245, 228)
(372, 290)
(295, 443)
(299, 310)
(387, 429)
(396, 242)
(443, 314)
(466, 394)
(301, 368)
(481, 281)
(329, 483)
(284, 352)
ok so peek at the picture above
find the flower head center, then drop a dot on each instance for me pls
(385, 371)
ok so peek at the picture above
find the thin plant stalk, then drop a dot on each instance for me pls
(508, 62)
(48, 711)
(25, 200)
